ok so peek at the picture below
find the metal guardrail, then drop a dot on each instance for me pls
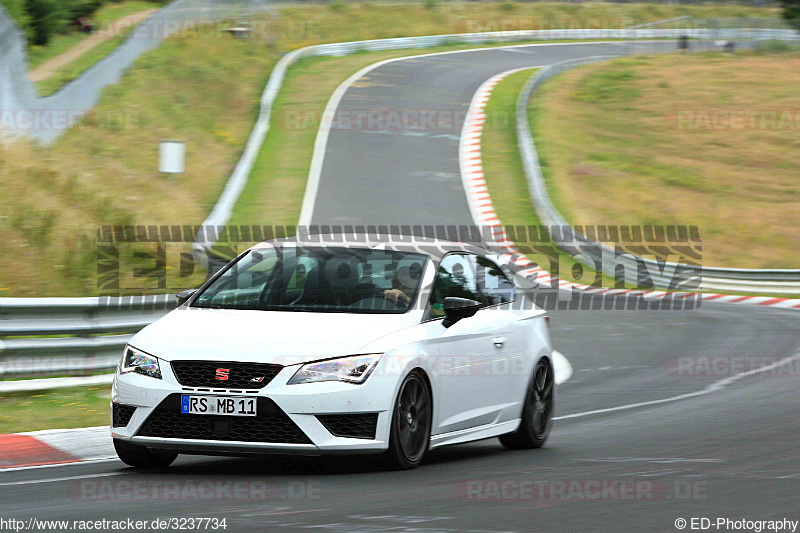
(592, 253)
(672, 20)
(67, 336)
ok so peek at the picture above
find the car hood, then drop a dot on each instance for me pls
(263, 336)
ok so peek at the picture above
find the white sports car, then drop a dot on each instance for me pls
(318, 348)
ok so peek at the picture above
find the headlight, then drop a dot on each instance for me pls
(355, 369)
(134, 360)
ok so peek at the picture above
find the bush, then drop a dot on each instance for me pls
(338, 5)
(72, 9)
(45, 18)
(40, 19)
(791, 12)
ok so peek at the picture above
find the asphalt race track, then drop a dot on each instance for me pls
(384, 176)
(718, 445)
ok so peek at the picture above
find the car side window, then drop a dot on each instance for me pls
(455, 277)
(493, 284)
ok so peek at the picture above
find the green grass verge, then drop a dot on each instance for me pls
(508, 186)
(634, 141)
(54, 409)
(505, 178)
(52, 199)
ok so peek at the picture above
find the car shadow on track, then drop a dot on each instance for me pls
(296, 465)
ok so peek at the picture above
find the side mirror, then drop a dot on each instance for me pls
(457, 308)
(184, 296)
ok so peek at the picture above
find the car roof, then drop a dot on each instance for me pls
(432, 247)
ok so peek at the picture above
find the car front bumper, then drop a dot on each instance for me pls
(301, 403)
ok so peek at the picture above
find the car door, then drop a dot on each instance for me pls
(511, 374)
(473, 355)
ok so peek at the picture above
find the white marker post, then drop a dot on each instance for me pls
(172, 157)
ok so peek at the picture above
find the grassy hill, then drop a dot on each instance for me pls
(203, 87)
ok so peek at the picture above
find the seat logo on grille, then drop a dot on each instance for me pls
(223, 373)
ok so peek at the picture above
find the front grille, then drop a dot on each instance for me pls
(360, 426)
(121, 414)
(271, 424)
(239, 375)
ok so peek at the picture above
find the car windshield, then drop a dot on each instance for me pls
(318, 279)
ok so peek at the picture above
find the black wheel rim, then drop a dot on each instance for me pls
(413, 418)
(542, 399)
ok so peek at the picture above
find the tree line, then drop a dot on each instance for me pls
(41, 19)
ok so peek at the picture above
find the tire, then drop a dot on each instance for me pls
(412, 416)
(141, 457)
(537, 412)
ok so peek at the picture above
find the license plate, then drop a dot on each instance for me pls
(218, 405)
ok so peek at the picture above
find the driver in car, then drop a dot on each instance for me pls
(404, 284)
